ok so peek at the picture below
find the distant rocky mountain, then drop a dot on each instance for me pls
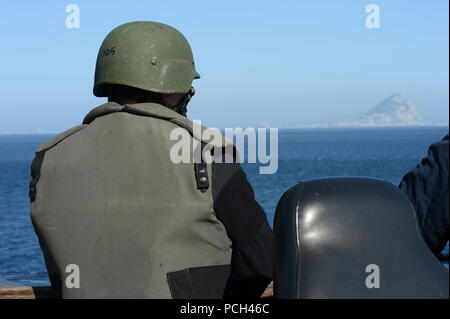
(393, 111)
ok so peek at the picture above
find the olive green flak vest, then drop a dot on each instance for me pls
(107, 198)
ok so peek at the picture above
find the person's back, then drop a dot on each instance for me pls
(123, 197)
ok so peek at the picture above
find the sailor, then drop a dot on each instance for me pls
(426, 185)
(107, 198)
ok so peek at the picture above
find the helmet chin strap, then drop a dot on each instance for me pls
(181, 108)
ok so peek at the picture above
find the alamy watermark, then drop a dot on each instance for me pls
(250, 146)
(73, 277)
(373, 279)
(373, 19)
(73, 17)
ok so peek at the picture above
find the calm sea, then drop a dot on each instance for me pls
(303, 154)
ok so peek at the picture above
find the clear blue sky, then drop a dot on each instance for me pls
(279, 63)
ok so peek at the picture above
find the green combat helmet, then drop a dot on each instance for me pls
(146, 55)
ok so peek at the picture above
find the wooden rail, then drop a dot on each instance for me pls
(26, 293)
(47, 293)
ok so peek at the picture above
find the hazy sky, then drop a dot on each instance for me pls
(262, 62)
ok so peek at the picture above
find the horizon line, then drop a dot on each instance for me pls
(280, 128)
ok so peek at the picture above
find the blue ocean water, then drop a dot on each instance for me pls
(303, 154)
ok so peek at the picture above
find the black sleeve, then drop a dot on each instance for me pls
(426, 185)
(247, 227)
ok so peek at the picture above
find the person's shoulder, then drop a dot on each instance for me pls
(60, 137)
(98, 111)
(440, 149)
(207, 135)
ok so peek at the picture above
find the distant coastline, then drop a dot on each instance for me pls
(317, 126)
(394, 112)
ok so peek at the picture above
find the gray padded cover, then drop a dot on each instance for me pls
(328, 231)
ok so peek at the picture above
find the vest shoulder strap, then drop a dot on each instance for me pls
(59, 138)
